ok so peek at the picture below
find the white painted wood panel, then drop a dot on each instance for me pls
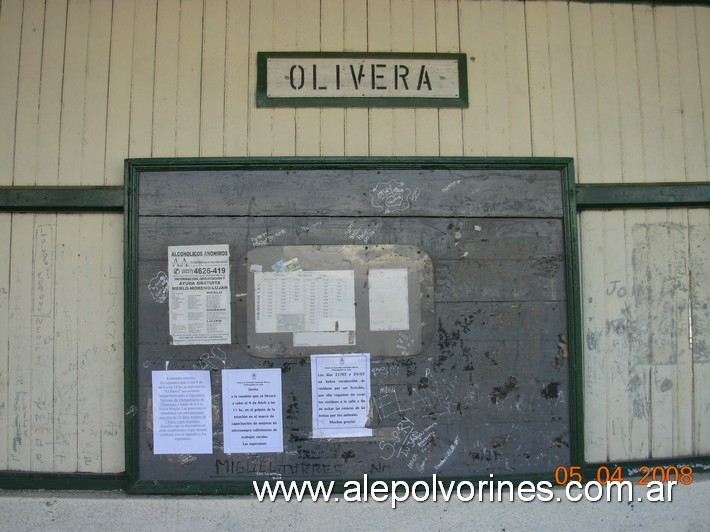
(10, 35)
(50, 97)
(5, 228)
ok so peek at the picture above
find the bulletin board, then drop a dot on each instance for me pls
(446, 289)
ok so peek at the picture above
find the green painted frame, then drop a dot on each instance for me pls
(134, 167)
(262, 100)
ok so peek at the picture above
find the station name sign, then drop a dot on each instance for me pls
(341, 79)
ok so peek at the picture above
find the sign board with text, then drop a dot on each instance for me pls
(332, 79)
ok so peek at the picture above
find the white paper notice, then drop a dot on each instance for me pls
(199, 294)
(312, 301)
(340, 387)
(251, 402)
(182, 412)
(389, 299)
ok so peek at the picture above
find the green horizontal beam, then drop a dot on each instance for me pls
(23, 480)
(643, 196)
(61, 199)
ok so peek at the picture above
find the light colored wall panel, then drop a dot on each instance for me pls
(237, 93)
(28, 89)
(355, 38)
(142, 80)
(213, 66)
(702, 38)
(404, 121)
(110, 337)
(379, 39)
(71, 135)
(94, 139)
(119, 91)
(424, 34)
(691, 95)
(189, 78)
(476, 114)
(66, 360)
(260, 39)
(332, 132)
(41, 357)
(5, 229)
(50, 97)
(10, 36)
(308, 120)
(166, 79)
(447, 41)
(19, 375)
(517, 78)
(285, 38)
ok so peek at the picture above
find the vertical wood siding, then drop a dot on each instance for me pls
(624, 89)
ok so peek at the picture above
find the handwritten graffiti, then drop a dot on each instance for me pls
(392, 196)
(158, 287)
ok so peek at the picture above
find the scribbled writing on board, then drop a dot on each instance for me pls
(158, 287)
(392, 196)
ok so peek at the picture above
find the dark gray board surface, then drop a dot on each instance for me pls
(490, 395)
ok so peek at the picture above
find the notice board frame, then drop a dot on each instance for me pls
(572, 347)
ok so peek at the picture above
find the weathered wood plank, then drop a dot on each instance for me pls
(379, 39)
(540, 82)
(111, 337)
(604, 69)
(19, 341)
(308, 121)
(42, 340)
(189, 78)
(284, 120)
(594, 332)
(616, 343)
(424, 193)
(99, 48)
(517, 75)
(588, 163)
(237, 93)
(475, 116)
(649, 94)
(10, 37)
(73, 94)
(702, 22)
(261, 124)
(50, 96)
(5, 233)
(142, 82)
(564, 117)
(447, 40)
(119, 91)
(498, 117)
(66, 363)
(166, 80)
(89, 343)
(28, 89)
(691, 94)
(404, 121)
(355, 39)
(212, 93)
(332, 127)
(424, 36)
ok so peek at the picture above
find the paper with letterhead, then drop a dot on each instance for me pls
(389, 299)
(340, 388)
(199, 294)
(182, 412)
(252, 411)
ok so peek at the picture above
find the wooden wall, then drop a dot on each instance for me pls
(624, 89)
